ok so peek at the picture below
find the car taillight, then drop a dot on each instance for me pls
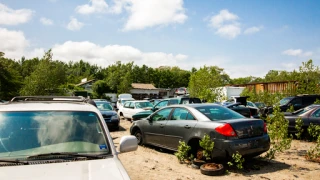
(226, 130)
(265, 129)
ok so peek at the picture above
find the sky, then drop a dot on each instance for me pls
(244, 37)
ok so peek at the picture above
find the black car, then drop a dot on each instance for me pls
(240, 106)
(298, 102)
(310, 114)
(109, 114)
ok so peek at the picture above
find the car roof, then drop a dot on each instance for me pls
(47, 106)
(195, 105)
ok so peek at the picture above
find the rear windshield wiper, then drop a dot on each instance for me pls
(14, 161)
(72, 154)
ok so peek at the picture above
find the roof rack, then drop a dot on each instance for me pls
(49, 98)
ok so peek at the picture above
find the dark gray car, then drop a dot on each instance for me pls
(110, 116)
(230, 131)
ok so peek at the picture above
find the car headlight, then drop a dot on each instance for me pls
(115, 117)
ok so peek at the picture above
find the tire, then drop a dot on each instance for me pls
(212, 172)
(139, 137)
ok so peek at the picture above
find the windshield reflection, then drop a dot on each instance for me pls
(30, 133)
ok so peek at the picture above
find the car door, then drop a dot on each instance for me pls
(154, 131)
(179, 127)
(131, 109)
(314, 117)
(126, 109)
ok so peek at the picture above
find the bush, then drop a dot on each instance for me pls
(298, 126)
(183, 151)
(278, 132)
(313, 153)
(207, 146)
(237, 160)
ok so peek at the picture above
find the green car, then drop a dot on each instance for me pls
(164, 103)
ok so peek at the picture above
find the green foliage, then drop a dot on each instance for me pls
(237, 160)
(298, 126)
(46, 78)
(278, 132)
(207, 144)
(317, 101)
(204, 80)
(291, 109)
(308, 78)
(183, 151)
(99, 88)
(313, 154)
(268, 98)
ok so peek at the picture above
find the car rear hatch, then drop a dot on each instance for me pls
(247, 128)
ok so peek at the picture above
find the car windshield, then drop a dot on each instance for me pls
(215, 113)
(302, 111)
(123, 101)
(146, 104)
(25, 134)
(285, 101)
(104, 106)
(260, 105)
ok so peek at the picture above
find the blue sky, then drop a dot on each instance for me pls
(245, 37)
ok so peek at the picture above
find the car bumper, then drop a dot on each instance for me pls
(248, 147)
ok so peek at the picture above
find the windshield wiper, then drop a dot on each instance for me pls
(97, 156)
(14, 161)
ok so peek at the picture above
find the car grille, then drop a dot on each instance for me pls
(106, 117)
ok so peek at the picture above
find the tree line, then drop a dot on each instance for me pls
(44, 76)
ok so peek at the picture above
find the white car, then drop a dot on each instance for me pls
(132, 107)
(121, 101)
(58, 138)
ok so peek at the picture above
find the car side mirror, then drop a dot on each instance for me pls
(128, 143)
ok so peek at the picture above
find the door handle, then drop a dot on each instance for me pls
(187, 126)
(161, 125)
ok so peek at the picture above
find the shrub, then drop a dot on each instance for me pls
(313, 153)
(183, 150)
(298, 126)
(237, 160)
(278, 132)
(207, 146)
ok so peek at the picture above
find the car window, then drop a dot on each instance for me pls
(162, 104)
(296, 102)
(161, 115)
(173, 101)
(284, 101)
(316, 113)
(215, 113)
(141, 105)
(131, 105)
(250, 104)
(126, 105)
(103, 106)
(181, 114)
(29, 133)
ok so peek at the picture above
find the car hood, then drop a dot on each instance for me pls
(110, 168)
(110, 113)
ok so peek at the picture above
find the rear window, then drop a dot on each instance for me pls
(215, 113)
(285, 101)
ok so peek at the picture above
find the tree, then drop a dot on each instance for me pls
(308, 78)
(46, 78)
(204, 80)
(99, 88)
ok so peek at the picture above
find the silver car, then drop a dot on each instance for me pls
(58, 138)
(230, 131)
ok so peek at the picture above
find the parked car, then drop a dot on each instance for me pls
(241, 106)
(132, 107)
(230, 131)
(58, 138)
(163, 103)
(109, 115)
(260, 105)
(298, 102)
(308, 115)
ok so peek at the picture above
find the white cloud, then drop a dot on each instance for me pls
(146, 13)
(13, 43)
(226, 24)
(74, 24)
(297, 52)
(94, 6)
(106, 55)
(13, 17)
(46, 21)
(253, 29)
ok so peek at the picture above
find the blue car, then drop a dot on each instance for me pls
(109, 114)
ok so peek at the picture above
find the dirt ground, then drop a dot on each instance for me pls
(153, 163)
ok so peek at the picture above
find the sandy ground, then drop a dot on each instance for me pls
(154, 163)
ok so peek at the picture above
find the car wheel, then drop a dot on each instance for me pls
(139, 137)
